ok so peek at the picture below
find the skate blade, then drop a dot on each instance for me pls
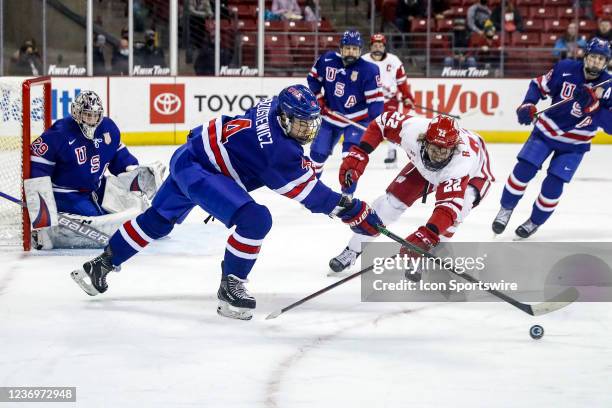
(240, 313)
(81, 279)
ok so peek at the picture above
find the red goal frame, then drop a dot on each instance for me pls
(26, 124)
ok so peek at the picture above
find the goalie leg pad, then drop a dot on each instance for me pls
(41, 202)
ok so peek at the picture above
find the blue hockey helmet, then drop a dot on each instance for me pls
(87, 111)
(350, 37)
(299, 113)
(596, 46)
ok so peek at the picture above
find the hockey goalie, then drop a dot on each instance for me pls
(80, 168)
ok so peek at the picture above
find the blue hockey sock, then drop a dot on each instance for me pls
(547, 201)
(516, 184)
(136, 234)
(253, 221)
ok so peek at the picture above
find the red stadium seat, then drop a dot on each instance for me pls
(328, 42)
(281, 26)
(446, 24)
(325, 26)
(549, 3)
(277, 52)
(388, 11)
(555, 26)
(301, 26)
(549, 40)
(455, 3)
(419, 25)
(249, 49)
(458, 12)
(525, 39)
(566, 12)
(249, 25)
(539, 12)
(529, 2)
(303, 50)
(587, 26)
(533, 25)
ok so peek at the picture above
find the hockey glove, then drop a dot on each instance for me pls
(526, 113)
(587, 99)
(360, 217)
(408, 105)
(423, 238)
(353, 166)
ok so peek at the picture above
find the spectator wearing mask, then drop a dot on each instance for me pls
(120, 59)
(149, 55)
(99, 61)
(461, 36)
(26, 61)
(570, 45)
(408, 10)
(603, 29)
(287, 9)
(477, 14)
(512, 19)
(486, 46)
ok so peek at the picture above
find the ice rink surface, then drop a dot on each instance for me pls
(155, 340)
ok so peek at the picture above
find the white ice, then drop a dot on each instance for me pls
(155, 340)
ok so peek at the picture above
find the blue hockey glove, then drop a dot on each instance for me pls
(526, 113)
(360, 217)
(586, 98)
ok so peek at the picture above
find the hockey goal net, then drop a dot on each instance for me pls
(25, 112)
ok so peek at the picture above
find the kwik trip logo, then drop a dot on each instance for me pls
(167, 103)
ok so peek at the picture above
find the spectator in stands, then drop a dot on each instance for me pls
(26, 61)
(485, 47)
(460, 42)
(199, 11)
(149, 54)
(477, 14)
(99, 62)
(287, 9)
(408, 10)
(602, 8)
(311, 11)
(570, 45)
(513, 21)
(120, 59)
(603, 29)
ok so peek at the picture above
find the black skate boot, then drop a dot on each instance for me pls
(526, 229)
(234, 300)
(501, 220)
(391, 159)
(92, 277)
(346, 259)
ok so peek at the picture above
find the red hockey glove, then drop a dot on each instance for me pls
(353, 166)
(526, 112)
(408, 105)
(423, 238)
(323, 106)
(587, 99)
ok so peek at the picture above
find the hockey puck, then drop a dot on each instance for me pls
(536, 332)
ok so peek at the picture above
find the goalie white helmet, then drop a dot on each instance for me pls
(87, 111)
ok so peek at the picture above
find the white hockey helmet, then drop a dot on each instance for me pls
(87, 111)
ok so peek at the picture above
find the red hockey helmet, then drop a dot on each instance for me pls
(442, 132)
(441, 139)
(378, 37)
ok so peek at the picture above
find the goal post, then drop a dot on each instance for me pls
(25, 112)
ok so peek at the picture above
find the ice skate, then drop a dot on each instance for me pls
(234, 300)
(343, 261)
(92, 277)
(391, 159)
(501, 220)
(526, 229)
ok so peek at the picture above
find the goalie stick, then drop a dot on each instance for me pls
(73, 225)
(563, 299)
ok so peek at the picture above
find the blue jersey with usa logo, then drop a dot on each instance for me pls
(253, 150)
(75, 163)
(567, 124)
(354, 91)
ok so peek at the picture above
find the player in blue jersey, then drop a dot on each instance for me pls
(76, 151)
(222, 161)
(349, 85)
(565, 132)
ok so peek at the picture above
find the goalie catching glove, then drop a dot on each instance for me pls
(149, 177)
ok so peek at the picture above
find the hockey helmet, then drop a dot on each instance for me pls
(439, 143)
(378, 37)
(87, 111)
(350, 38)
(596, 46)
(378, 44)
(299, 113)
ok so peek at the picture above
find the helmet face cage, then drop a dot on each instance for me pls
(439, 142)
(87, 111)
(302, 130)
(444, 156)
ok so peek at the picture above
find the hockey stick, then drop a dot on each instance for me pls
(563, 299)
(344, 119)
(564, 101)
(78, 228)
